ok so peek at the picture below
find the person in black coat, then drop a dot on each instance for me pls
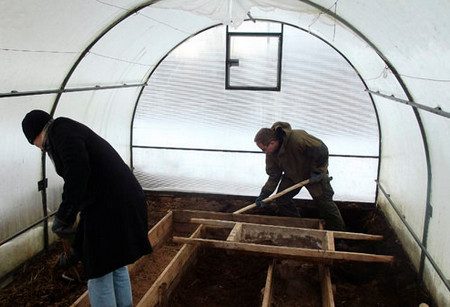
(100, 187)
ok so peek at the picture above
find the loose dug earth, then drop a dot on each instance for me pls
(222, 278)
(296, 283)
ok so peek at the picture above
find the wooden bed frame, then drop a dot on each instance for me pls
(242, 228)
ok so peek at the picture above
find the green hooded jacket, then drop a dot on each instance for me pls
(299, 154)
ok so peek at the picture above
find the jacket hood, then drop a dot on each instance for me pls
(281, 129)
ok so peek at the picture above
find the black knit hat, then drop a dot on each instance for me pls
(33, 123)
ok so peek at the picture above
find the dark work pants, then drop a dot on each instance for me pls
(322, 194)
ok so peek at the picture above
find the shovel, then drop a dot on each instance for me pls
(275, 196)
(66, 248)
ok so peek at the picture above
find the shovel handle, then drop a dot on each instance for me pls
(274, 196)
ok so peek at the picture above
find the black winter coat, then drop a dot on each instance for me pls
(112, 231)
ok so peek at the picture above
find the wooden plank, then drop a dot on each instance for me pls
(163, 298)
(157, 236)
(284, 236)
(184, 216)
(330, 241)
(268, 288)
(288, 252)
(267, 232)
(356, 236)
(324, 271)
(171, 274)
(235, 233)
(312, 232)
(327, 287)
(161, 231)
(209, 222)
(82, 301)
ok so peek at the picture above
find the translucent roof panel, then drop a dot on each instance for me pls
(186, 105)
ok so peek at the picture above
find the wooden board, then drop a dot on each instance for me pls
(184, 216)
(282, 236)
(268, 288)
(161, 231)
(317, 233)
(324, 271)
(327, 287)
(157, 235)
(235, 233)
(271, 235)
(82, 301)
(288, 252)
(330, 241)
(161, 289)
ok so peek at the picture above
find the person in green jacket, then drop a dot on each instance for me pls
(291, 157)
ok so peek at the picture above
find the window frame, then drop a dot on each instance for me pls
(232, 62)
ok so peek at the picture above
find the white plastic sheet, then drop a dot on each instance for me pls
(186, 105)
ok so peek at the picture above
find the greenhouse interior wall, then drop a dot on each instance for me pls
(370, 78)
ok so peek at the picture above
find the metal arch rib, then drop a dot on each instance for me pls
(416, 113)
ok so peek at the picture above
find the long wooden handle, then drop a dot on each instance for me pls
(274, 196)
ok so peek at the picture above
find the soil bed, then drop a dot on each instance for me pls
(40, 283)
(296, 283)
(222, 278)
(148, 268)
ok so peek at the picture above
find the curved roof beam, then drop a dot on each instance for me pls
(333, 15)
(416, 113)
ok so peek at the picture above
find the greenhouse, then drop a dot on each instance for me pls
(180, 88)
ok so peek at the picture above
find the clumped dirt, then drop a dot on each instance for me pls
(40, 283)
(222, 278)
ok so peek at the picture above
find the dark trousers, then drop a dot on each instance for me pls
(322, 194)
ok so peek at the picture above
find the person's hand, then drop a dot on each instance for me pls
(62, 229)
(68, 259)
(259, 200)
(316, 176)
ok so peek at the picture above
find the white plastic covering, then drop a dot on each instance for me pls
(186, 105)
(41, 41)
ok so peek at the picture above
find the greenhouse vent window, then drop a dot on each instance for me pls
(253, 56)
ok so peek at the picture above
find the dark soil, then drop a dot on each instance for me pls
(388, 285)
(222, 278)
(296, 283)
(40, 283)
